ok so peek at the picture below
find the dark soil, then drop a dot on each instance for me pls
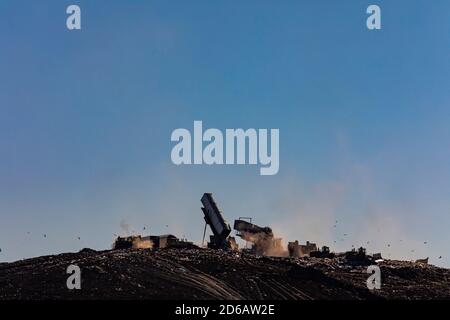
(214, 274)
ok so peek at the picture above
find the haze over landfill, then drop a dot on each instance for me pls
(159, 267)
(85, 122)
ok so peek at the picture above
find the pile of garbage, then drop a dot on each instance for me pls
(201, 273)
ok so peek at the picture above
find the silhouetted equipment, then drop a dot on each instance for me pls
(301, 250)
(219, 226)
(151, 242)
(242, 227)
(167, 240)
(248, 219)
(245, 229)
(264, 242)
(132, 242)
(358, 257)
(324, 253)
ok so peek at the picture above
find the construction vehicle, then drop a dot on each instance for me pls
(262, 238)
(151, 242)
(243, 227)
(358, 257)
(301, 250)
(220, 228)
(324, 253)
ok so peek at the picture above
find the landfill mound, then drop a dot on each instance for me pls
(214, 274)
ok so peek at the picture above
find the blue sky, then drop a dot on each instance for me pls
(86, 118)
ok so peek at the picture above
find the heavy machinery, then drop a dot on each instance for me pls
(264, 242)
(151, 242)
(246, 229)
(301, 250)
(221, 230)
(324, 253)
(359, 257)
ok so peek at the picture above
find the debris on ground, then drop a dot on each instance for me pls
(201, 273)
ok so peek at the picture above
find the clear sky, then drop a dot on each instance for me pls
(86, 118)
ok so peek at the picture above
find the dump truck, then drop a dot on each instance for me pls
(264, 242)
(220, 228)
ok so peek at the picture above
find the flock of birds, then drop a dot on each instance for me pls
(334, 226)
(78, 237)
(368, 242)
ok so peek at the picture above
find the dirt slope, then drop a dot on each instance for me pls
(209, 274)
